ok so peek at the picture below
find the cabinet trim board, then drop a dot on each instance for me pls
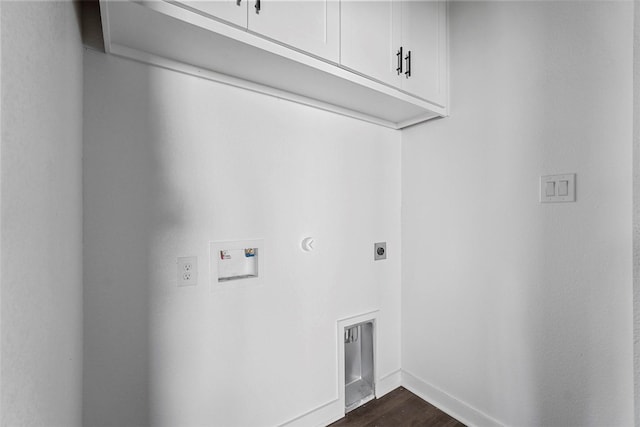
(180, 67)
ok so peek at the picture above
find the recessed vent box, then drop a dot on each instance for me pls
(358, 365)
(357, 360)
(236, 262)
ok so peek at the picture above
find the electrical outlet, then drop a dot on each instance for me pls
(380, 251)
(188, 271)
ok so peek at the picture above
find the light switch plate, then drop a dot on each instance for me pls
(558, 188)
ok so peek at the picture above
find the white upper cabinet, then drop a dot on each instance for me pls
(400, 43)
(312, 26)
(424, 42)
(231, 11)
(383, 61)
(370, 38)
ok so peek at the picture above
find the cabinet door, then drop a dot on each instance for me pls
(231, 11)
(312, 26)
(370, 38)
(424, 34)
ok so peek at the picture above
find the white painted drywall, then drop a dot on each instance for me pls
(636, 208)
(173, 162)
(40, 236)
(518, 309)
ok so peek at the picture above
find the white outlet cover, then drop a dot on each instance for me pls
(187, 269)
(564, 184)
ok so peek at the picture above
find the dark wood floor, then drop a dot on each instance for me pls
(399, 408)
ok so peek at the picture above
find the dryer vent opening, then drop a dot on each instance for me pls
(359, 365)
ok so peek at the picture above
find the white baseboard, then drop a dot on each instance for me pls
(334, 410)
(388, 383)
(319, 417)
(447, 403)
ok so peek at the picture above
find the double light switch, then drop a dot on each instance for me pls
(558, 188)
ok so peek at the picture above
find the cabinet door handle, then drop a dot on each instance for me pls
(408, 59)
(399, 58)
(257, 6)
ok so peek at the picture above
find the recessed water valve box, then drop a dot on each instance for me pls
(234, 264)
(235, 261)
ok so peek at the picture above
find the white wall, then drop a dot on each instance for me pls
(518, 309)
(173, 162)
(40, 240)
(636, 209)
